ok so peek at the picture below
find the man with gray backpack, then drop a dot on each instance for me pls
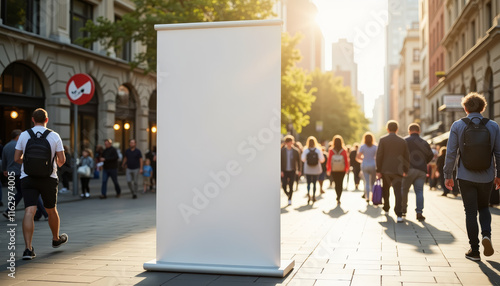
(475, 140)
(39, 150)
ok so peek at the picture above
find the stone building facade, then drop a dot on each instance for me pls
(38, 55)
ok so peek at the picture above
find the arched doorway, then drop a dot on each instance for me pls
(489, 93)
(152, 121)
(124, 118)
(21, 92)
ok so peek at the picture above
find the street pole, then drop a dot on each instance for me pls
(75, 150)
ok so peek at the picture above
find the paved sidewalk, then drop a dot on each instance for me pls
(351, 244)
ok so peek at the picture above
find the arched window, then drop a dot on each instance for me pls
(124, 117)
(473, 85)
(21, 92)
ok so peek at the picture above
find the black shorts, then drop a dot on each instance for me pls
(34, 187)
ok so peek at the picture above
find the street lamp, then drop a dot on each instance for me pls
(14, 114)
(126, 126)
(153, 129)
(116, 127)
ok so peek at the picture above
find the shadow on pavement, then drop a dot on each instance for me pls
(413, 233)
(494, 211)
(305, 208)
(489, 272)
(336, 212)
(372, 211)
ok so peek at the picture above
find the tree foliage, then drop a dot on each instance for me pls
(296, 97)
(336, 108)
(138, 25)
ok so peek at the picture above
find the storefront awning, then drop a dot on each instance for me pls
(439, 139)
(433, 127)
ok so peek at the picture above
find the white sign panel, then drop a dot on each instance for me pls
(218, 199)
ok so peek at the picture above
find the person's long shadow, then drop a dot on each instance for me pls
(392, 229)
(305, 208)
(336, 212)
(372, 211)
(494, 211)
(490, 273)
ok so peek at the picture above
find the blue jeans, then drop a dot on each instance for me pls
(106, 174)
(311, 179)
(369, 173)
(476, 198)
(416, 178)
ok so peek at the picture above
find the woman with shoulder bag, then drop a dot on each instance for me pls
(338, 164)
(85, 171)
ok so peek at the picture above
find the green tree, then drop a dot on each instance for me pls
(296, 97)
(336, 109)
(139, 24)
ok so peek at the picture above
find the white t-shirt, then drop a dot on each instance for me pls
(55, 142)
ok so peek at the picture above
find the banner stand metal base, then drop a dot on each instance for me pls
(286, 267)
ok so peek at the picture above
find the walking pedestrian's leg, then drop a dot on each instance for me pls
(407, 182)
(114, 178)
(29, 225)
(291, 180)
(130, 174)
(314, 179)
(418, 186)
(386, 184)
(470, 200)
(284, 184)
(104, 186)
(41, 208)
(483, 197)
(397, 186)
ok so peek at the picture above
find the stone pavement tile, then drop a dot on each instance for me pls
(428, 284)
(70, 272)
(376, 272)
(447, 280)
(374, 266)
(114, 281)
(300, 258)
(44, 266)
(187, 283)
(479, 278)
(364, 280)
(19, 276)
(418, 279)
(236, 278)
(315, 262)
(338, 271)
(311, 270)
(298, 282)
(42, 283)
(63, 278)
(323, 276)
(391, 267)
(332, 283)
(414, 268)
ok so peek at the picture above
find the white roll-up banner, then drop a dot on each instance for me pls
(218, 174)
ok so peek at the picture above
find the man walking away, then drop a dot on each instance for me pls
(392, 165)
(290, 165)
(133, 161)
(110, 169)
(420, 154)
(476, 141)
(40, 151)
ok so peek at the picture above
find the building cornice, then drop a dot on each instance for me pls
(492, 37)
(22, 37)
(454, 30)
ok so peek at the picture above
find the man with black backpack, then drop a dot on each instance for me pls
(40, 151)
(476, 140)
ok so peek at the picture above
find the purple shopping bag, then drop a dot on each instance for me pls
(377, 193)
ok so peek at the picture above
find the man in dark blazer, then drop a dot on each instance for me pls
(290, 165)
(392, 165)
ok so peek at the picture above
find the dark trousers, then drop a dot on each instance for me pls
(106, 174)
(356, 169)
(311, 179)
(85, 185)
(65, 176)
(287, 180)
(395, 181)
(338, 178)
(476, 198)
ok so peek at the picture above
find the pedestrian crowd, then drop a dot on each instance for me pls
(466, 166)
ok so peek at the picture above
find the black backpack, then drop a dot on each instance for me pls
(312, 157)
(38, 161)
(476, 151)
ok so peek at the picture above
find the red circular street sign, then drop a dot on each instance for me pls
(80, 89)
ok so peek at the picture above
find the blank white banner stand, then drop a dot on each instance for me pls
(218, 119)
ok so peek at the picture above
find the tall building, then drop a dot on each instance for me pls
(299, 17)
(39, 53)
(423, 17)
(468, 53)
(409, 80)
(343, 65)
(402, 13)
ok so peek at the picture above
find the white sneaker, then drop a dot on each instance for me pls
(400, 219)
(289, 202)
(87, 195)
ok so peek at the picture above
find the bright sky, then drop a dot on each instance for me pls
(363, 23)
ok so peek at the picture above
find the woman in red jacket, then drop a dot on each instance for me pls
(338, 164)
